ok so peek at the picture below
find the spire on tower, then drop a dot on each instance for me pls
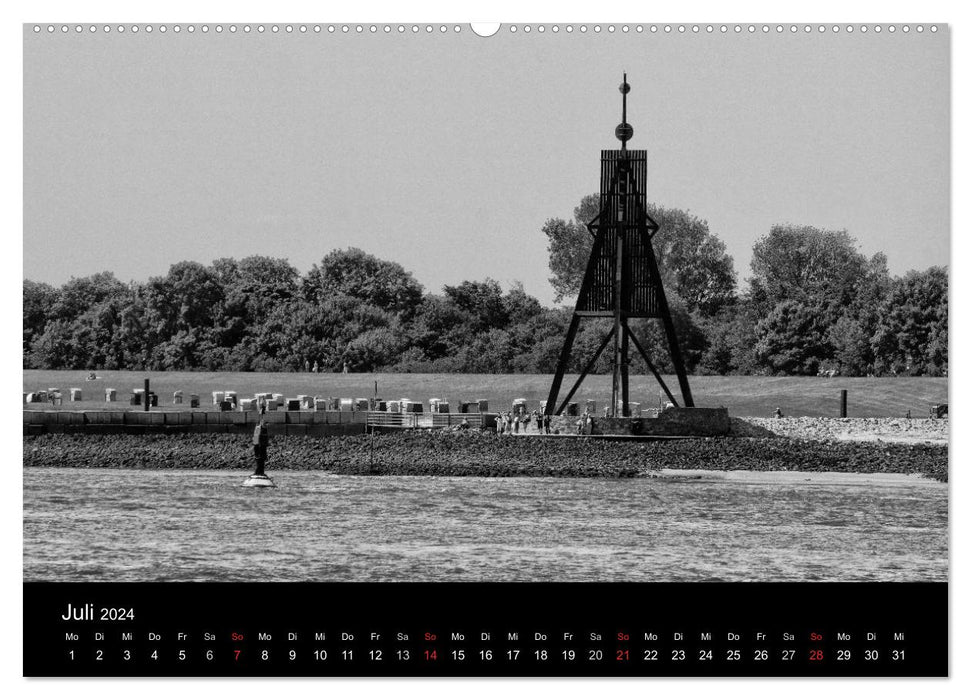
(624, 131)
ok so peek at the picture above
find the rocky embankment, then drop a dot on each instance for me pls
(484, 454)
(896, 430)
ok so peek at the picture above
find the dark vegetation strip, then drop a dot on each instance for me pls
(473, 454)
(813, 303)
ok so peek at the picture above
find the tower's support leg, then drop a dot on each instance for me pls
(676, 358)
(618, 392)
(650, 366)
(561, 366)
(617, 331)
(673, 346)
(585, 372)
(625, 371)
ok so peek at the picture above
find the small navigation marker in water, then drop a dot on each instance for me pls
(259, 481)
(261, 441)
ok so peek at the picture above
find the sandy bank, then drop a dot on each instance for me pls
(794, 478)
(892, 430)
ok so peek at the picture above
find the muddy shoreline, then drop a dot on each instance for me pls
(483, 454)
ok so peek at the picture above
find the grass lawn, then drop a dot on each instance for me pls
(743, 396)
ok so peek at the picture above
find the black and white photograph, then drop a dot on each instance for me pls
(447, 303)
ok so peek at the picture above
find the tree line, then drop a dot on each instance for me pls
(813, 304)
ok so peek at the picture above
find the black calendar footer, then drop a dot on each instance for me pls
(485, 629)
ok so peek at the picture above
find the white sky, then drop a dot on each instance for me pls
(446, 152)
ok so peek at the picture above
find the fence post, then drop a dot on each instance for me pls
(842, 403)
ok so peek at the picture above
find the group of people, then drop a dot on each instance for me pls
(316, 367)
(508, 423)
(585, 423)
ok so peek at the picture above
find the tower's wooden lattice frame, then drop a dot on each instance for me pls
(621, 280)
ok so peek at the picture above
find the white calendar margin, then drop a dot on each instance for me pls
(830, 11)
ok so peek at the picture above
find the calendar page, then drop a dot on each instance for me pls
(425, 349)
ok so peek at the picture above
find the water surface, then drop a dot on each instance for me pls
(136, 525)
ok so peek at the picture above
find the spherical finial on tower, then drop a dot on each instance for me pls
(624, 131)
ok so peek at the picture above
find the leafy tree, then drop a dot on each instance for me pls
(38, 299)
(519, 306)
(299, 331)
(259, 281)
(132, 343)
(852, 349)
(84, 342)
(490, 352)
(436, 330)
(251, 314)
(852, 332)
(590, 335)
(911, 335)
(730, 341)
(536, 341)
(357, 274)
(826, 276)
(252, 289)
(692, 261)
(191, 293)
(569, 247)
(481, 302)
(651, 334)
(373, 349)
(792, 339)
(181, 312)
(178, 352)
(806, 265)
(81, 323)
(80, 294)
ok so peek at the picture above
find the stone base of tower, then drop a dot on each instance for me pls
(669, 422)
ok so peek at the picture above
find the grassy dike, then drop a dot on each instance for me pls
(742, 395)
(445, 453)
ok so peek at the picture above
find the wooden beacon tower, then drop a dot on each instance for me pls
(622, 279)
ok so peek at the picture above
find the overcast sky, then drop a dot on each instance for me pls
(447, 152)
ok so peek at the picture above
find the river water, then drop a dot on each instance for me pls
(134, 525)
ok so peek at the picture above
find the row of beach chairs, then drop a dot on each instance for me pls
(228, 400)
